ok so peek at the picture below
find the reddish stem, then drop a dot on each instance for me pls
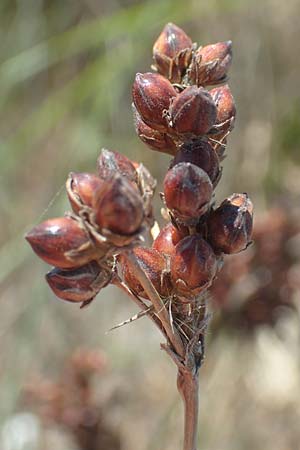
(188, 387)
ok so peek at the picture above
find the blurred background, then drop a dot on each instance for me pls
(65, 80)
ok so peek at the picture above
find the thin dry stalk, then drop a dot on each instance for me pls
(187, 381)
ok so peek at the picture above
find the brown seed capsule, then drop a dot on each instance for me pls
(193, 266)
(78, 285)
(118, 206)
(200, 153)
(167, 239)
(81, 188)
(226, 110)
(110, 162)
(230, 225)
(211, 64)
(193, 112)
(188, 191)
(156, 140)
(152, 95)
(154, 265)
(61, 242)
(172, 52)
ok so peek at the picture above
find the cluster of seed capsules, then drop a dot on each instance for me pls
(110, 212)
(175, 113)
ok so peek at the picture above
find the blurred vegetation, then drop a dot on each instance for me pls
(66, 69)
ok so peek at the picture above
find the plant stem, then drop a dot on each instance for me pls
(188, 387)
(187, 380)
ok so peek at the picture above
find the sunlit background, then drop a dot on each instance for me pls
(66, 72)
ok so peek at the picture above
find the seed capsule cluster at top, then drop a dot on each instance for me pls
(177, 110)
(175, 104)
(110, 211)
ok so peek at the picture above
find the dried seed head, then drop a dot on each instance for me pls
(152, 95)
(188, 191)
(172, 52)
(154, 265)
(81, 188)
(156, 140)
(118, 206)
(193, 112)
(211, 64)
(61, 242)
(226, 110)
(110, 162)
(200, 153)
(78, 285)
(230, 225)
(193, 266)
(167, 239)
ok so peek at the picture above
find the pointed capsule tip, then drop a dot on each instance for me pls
(30, 235)
(27, 236)
(173, 25)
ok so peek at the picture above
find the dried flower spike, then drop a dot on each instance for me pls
(188, 192)
(172, 52)
(230, 225)
(152, 95)
(192, 112)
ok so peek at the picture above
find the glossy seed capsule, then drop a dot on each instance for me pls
(172, 52)
(152, 95)
(171, 41)
(167, 239)
(118, 206)
(226, 110)
(193, 266)
(110, 162)
(211, 63)
(188, 191)
(193, 112)
(55, 239)
(230, 225)
(156, 140)
(76, 285)
(81, 188)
